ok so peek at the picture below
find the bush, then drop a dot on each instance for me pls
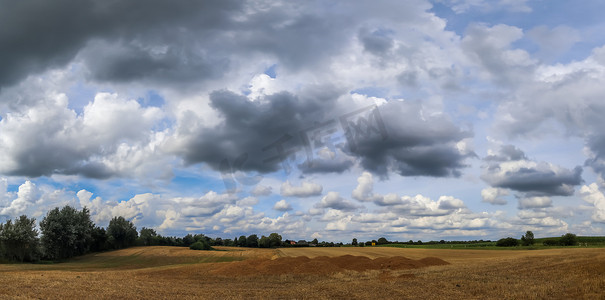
(507, 242)
(551, 242)
(200, 245)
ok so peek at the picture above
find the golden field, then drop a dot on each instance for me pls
(352, 273)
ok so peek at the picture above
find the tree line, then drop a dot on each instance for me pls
(568, 239)
(68, 232)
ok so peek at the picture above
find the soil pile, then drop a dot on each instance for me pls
(321, 265)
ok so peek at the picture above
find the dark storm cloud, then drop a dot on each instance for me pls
(46, 162)
(510, 169)
(172, 42)
(254, 131)
(415, 144)
(37, 35)
(541, 182)
(251, 133)
(176, 64)
(327, 165)
(166, 42)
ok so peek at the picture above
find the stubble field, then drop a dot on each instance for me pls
(352, 273)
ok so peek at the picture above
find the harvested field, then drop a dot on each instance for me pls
(353, 273)
(322, 265)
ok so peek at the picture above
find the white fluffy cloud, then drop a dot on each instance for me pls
(494, 195)
(307, 189)
(333, 200)
(593, 195)
(112, 136)
(282, 205)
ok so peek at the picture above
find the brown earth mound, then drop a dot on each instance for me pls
(321, 265)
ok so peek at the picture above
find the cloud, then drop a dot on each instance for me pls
(333, 200)
(553, 42)
(464, 6)
(494, 195)
(207, 205)
(490, 49)
(27, 196)
(365, 187)
(534, 202)
(328, 161)
(307, 189)
(592, 194)
(73, 25)
(265, 131)
(282, 205)
(33, 200)
(261, 190)
(375, 42)
(509, 169)
(413, 142)
(418, 205)
(50, 138)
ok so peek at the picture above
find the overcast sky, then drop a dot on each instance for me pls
(443, 119)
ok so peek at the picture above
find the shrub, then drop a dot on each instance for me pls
(507, 242)
(551, 242)
(200, 245)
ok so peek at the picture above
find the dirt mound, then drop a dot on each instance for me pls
(321, 265)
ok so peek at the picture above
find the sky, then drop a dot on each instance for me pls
(441, 119)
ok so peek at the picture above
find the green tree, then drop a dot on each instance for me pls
(354, 242)
(188, 240)
(264, 242)
(242, 241)
(315, 241)
(569, 239)
(527, 239)
(382, 241)
(66, 232)
(148, 237)
(19, 240)
(99, 239)
(252, 241)
(121, 233)
(274, 240)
